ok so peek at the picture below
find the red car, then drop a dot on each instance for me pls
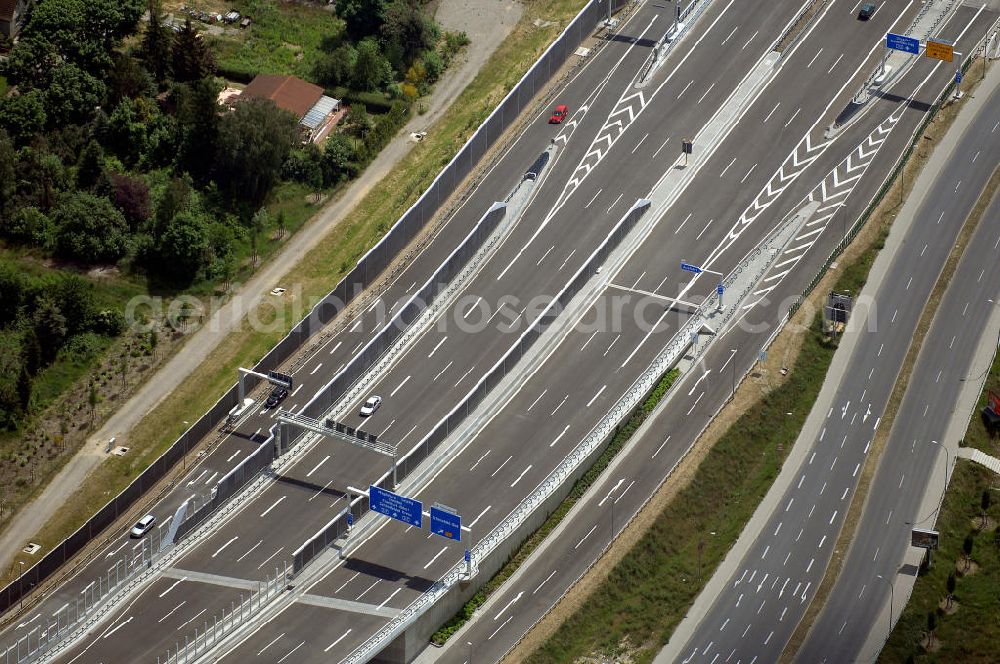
(559, 114)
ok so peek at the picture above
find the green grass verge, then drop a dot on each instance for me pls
(636, 608)
(283, 39)
(579, 488)
(971, 633)
(323, 266)
(977, 435)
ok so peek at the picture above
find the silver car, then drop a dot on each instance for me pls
(143, 525)
(371, 406)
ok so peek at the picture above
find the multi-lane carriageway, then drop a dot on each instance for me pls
(384, 576)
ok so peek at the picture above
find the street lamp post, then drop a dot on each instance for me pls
(732, 358)
(947, 461)
(892, 600)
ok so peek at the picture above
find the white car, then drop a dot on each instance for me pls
(371, 406)
(143, 525)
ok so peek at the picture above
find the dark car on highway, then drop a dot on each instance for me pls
(276, 396)
(867, 11)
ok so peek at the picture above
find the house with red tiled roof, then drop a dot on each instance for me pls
(12, 15)
(304, 100)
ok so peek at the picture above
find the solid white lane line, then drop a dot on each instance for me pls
(476, 520)
(589, 532)
(561, 434)
(174, 585)
(431, 561)
(265, 647)
(249, 551)
(443, 370)
(344, 584)
(443, 339)
(171, 612)
(268, 559)
(342, 637)
(594, 398)
(544, 582)
(221, 548)
(594, 198)
(264, 513)
(768, 117)
(702, 97)
(523, 473)
(316, 467)
(405, 381)
(537, 400)
(289, 653)
(494, 474)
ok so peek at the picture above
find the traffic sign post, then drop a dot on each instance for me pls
(446, 522)
(939, 50)
(958, 83)
(902, 43)
(687, 147)
(719, 290)
(395, 506)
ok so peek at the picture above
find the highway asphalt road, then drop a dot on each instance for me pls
(383, 571)
(290, 523)
(624, 489)
(903, 477)
(762, 603)
(282, 517)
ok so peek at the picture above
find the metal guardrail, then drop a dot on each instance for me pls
(600, 432)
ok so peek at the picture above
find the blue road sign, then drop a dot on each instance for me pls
(394, 506)
(958, 76)
(902, 43)
(690, 268)
(350, 519)
(468, 555)
(720, 289)
(446, 523)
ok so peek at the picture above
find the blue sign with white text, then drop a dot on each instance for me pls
(690, 268)
(446, 524)
(720, 289)
(394, 506)
(902, 43)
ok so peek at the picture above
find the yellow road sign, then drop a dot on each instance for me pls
(940, 51)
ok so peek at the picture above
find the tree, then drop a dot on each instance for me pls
(128, 79)
(337, 162)
(371, 70)
(174, 198)
(93, 398)
(50, 327)
(931, 626)
(409, 26)
(24, 382)
(51, 179)
(254, 141)
(23, 115)
(8, 178)
(90, 229)
(72, 96)
(192, 58)
(29, 225)
(157, 42)
(281, 224)
(984, 504)
(183, 248)
(128, 131)
(31, 351)
(951, 588)
(90, 166)
(197, 127)
(362, 17)
(358, 121)
(153, 340)
(337, 67)
(12, 291)
(131, 196)
(967, 546)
